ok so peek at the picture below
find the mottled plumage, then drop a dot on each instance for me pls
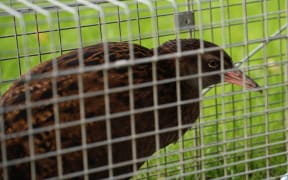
(43, 115)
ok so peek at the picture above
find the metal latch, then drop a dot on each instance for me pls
(186, 20)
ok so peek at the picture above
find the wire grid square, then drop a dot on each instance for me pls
(239, 134)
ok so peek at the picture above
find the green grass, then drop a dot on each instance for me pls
(239, 133)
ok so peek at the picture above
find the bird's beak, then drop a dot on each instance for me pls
(237, 77)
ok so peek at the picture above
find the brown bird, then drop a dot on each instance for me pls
(109, 121)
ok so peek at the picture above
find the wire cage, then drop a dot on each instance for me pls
(239, 134)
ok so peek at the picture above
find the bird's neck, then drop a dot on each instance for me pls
(188, 91)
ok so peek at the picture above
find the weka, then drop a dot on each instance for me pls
(69, 109)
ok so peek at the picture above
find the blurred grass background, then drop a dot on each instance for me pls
(240, 134)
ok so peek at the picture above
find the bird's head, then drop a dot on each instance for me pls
(213, 63)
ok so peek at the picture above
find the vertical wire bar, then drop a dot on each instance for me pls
(81, 99)
(55, 104)
(223, 119)
(28, 101)
(154, 74)
(234, 126)
(189, 9)
(200, 26)
(80, 84)
(119, 24)
(200, 83)
(99, 9)
(155, 93)
(154, 70)
(59, 31)
(17, 47)
(266, 36)
(131, 91)
(107, 102)
(250, 131)
(81, 96)
(138, 23)
(178, 88)
(155, 88)
(201, 116)
(217, 125)
(37, 32)
(250, 120)
(198, 127)
(130, 82)
(286, 80)
(282, 69)
(157, 24)
(127, 12)
(246, 44)
(202, 129)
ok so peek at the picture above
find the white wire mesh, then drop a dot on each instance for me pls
(240, 133)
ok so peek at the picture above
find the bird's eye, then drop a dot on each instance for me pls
(213, 64)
